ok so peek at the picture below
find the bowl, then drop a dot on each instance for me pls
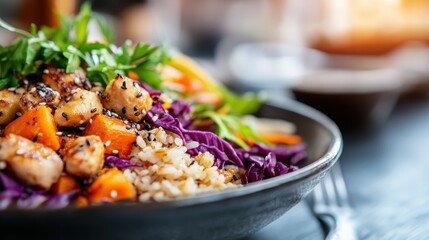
(273, 64)
(224, 215)
(353, 98)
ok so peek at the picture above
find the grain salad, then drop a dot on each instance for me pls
(91, 123)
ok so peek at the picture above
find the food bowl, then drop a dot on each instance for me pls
(353, 98)
(224, 215)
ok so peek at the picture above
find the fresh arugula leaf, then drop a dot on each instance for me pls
(105, 29)
(3, 83)
(241, 105)
(81, 23)
(8, 27)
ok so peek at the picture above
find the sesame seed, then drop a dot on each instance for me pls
(64, 115)
(42, 103)
(106, 144)
(35, 138)
(11, 89)
(113, 194)
(124, 110)
(33, 89)
(19, 114)
(67, 99)
(81, 128)
(90, 121)
(139, 94)
(77, 81)
(124, 85)
(25, 82)
(20, 151)
(46, 71)
(2, 165)
(88, 142)
(59, 133)
(115, 151)
(41, 93)
(137, 114)
(136, 108)
(93, 110)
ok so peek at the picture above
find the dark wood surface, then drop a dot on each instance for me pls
(386, 170)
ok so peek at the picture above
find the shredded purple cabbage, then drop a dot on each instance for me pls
(262, 162)
(152, 92)
(24, 197)
(207, 141)
(259, 161)
(110, 160)
(181, 111)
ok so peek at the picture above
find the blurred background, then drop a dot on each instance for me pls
(350, 58)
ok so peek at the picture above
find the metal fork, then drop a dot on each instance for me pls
(332, 208)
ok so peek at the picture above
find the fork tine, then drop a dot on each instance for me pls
(329, 189)
(318, 194)
(340, 185)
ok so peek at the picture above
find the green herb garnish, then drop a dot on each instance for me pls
(59, 48)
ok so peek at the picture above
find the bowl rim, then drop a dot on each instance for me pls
(328, 158)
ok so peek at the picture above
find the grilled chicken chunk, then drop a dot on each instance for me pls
(39, 95)
(85, 156)
(125, 97)
(64, 82)
(32, 163)
(9, 104)
(76, 109)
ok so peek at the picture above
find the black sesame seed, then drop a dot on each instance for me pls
(93, 110)
(137, 114)
(88, 143)
(124, 110)
(155, 98)
(64, 115)
(35, 138)
(128, 127)
(66, 89)
(134, 84)
(124, 85)
(234, 177)
(67, 99)
(192, 163)
(136, 108)
(135, 144)
(54, 107)
(139, 94)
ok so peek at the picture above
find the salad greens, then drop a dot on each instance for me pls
(67, 47)
(101, 61)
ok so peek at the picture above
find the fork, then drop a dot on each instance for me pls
(331, 206)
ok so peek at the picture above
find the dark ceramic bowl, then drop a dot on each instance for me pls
(224, 215)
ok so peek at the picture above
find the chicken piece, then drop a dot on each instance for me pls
(85, 156)
(9, 104)
(32, 163)
(76, 109)
(39, 95)
(64, 82)
(125, 97)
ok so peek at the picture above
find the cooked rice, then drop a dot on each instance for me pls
(170, 172)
